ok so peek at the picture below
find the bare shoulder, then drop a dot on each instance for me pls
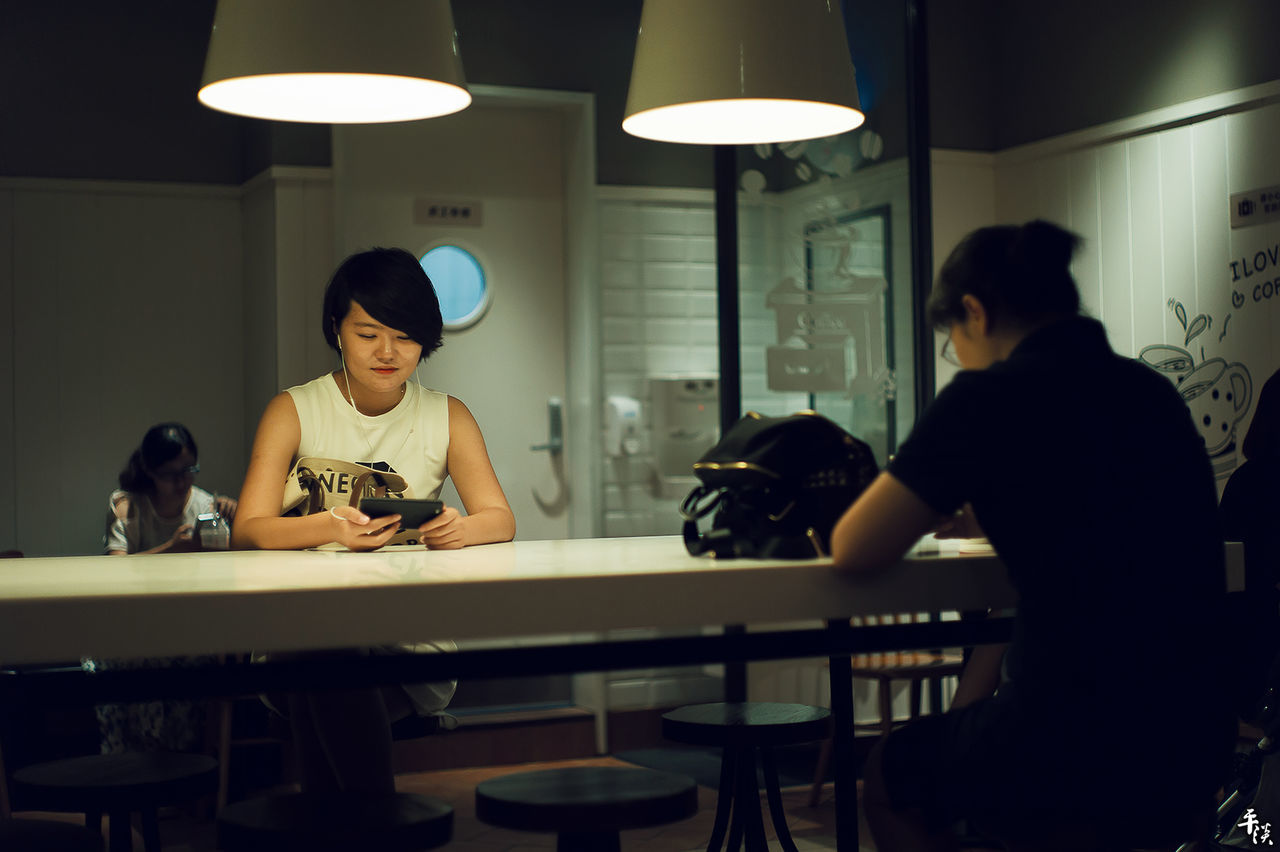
(459, 414)
(281, 405)
(280, 420)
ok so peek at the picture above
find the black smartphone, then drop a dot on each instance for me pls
(413, 513)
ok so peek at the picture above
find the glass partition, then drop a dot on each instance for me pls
(826, 285)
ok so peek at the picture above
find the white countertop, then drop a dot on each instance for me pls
(62, 608)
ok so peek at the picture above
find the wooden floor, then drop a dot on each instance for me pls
(812, 828)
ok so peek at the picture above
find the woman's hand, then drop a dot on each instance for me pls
(962, 524)
(225, 506)
(357, 531)
(444, 531)
(182, 540)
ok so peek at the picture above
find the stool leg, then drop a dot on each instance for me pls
(737, 801)
(885, 692)
(748, 803)
(820, 773)
(150, 830)
(775, 800)
(588, 841)
(724, 799)
(845, 770)
(120, 834)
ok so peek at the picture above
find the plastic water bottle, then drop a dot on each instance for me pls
(212, 531)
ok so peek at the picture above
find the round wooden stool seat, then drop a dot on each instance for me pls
(118, 784)
(46, 835)
(394, 822)
(747, 731)
(586, 805)
(754, 723)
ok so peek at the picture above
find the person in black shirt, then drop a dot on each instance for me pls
(1250, 508)
(1091, 482)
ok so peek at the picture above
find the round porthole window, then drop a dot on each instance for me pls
(460, 285)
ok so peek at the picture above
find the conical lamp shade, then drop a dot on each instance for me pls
(739, 72)
(334, 61)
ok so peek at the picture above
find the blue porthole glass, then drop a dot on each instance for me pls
(460, 284)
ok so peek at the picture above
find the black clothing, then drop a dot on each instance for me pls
(1251, 513)
(1090, 480)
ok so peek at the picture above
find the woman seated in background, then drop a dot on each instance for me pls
(382, 318)
(155, 511)
(1092, 484)
(155, 508)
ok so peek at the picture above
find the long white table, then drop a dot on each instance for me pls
(60, 609)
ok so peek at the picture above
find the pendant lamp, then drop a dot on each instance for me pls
(334, 61)
(740, 72)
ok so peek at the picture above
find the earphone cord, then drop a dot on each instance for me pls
(351, 397)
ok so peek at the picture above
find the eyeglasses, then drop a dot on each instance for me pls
(948, 352)
(175, 475)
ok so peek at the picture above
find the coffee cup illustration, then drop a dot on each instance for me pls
(1218, 395)
(1174, 362)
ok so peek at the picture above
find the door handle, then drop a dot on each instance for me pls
(555, 428)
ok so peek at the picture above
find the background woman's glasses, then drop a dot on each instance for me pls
(180, 473)
(948, 353)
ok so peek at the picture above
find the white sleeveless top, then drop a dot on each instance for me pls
(411, 439)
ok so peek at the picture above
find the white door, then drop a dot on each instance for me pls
(506, 165)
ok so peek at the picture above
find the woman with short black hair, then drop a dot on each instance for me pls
(382, 317)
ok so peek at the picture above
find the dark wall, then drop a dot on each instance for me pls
(964, 73)
(107, 90)
(580, 46)
(1008, 72)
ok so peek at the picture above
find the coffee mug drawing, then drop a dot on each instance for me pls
(1218, 395)
(1173, 361)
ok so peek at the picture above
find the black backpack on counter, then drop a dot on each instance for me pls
(777, 486)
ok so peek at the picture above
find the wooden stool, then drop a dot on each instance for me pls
(743, 730)
(118, 785)
(586, 805)
(395, 822)
(46, 835)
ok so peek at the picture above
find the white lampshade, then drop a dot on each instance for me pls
(739, 72)
(334, 61)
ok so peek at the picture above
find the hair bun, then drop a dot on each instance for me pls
(1042, 247)
(1040, 257)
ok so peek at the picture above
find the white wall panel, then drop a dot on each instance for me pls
(1146, 256)
(964, 198)
(126, 312)
(1053, 190)
(8, 416)
(1114, 247)
(1084, 220)
(1016, 192)
(1179, 228)
(1212, 222)
(1252, 334)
